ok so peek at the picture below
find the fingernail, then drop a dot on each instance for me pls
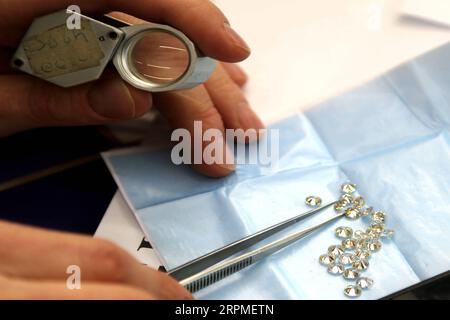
(111, 99)
(236, 38)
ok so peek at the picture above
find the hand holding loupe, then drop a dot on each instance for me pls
(151, 57)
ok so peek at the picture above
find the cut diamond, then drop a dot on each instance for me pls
(360, 265)
(351, 274)
(359, 202)
(335, 251)
(349, 244)
(359, 234)
(364, 283)
(313, 201)
(374, 245)
(352, 291)
(326, 259)
(352, 213)
(339, 206)
(377, 228)
(346, 199)
(336, 268)
(346, 258)
(348, 187)
(379, 217)
(362, 254)
(343, 232)
(361, 244)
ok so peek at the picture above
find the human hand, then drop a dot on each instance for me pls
(27, 102)
(33, 265)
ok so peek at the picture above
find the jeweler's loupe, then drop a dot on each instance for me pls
(151, 57)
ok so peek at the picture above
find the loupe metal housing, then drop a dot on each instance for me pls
(152, 57)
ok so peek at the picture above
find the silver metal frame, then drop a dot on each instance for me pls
(118, 50)
(57, 19)
(198, 71)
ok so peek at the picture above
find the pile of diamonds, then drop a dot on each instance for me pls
(351, 257)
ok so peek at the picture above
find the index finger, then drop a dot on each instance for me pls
(200, 20)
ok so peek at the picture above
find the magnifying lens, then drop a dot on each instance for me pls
(152, 57)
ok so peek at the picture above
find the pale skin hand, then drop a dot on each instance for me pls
(33, 262)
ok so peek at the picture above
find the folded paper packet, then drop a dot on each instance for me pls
(390, 137)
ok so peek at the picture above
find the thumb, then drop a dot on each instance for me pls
(27, 103)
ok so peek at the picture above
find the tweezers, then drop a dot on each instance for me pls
(214, 266)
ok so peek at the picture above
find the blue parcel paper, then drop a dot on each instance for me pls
(390, 136)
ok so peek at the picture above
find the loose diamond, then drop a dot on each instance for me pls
(359, 234)
(360, 265)
(352, 213)
(343, 232)
(326, 259)
(374, 245)
(364, 283)
(336, 268)
(348, 187)
(351, 274)
(361, 244)
(379, 217)
(339, 206)
(349, 244)
(359, 202)
(352, 291)
(346, 199)
(377, 228)
(367, 212)
(313, 201)
(335, 251)
(362, 254)
(346, 258)
(388, 233)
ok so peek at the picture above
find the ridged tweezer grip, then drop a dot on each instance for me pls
(218, 275)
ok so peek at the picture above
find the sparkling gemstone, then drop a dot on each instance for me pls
(349, 244)
(351, 274)
(360, 265)
(346, 258)
(359, 234)
(388, 233)
(377, 227)
(339, 206)
(336, 268)
(335, 251)
(379, 217)
(362, 254)
(364, 283)
(352, 213)
(347, 199)
(313, 201)
(361, 244)
(359, 202)
(374, 245)
(367, 211)
(326, 259)
(348, 187)
(343, 232)
(352, 291)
